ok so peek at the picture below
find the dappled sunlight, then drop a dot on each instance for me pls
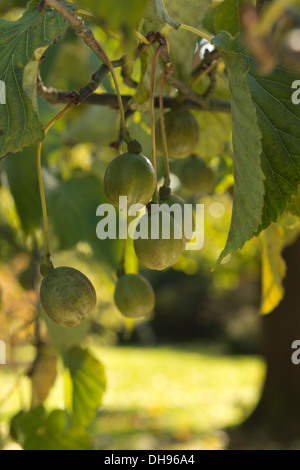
(177, 393)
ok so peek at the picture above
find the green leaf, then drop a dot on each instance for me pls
(248, 194)
(227, 16)
(142, 94)
(273, 268)
(24, 424)
(117, 15)
(279, 122)
(61, 436)
(22, 43)
(72, 206)
(35, 430)
(22, 179)
(88, 385)
(215, 132)
(156, 12)
(72, 209)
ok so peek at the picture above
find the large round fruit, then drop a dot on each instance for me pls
(158, 253)
(67, 296)
(196, 176)
(182, 133)
(134, 296)
(131, 175)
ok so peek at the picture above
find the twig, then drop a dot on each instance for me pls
(186, 90)
(207, 67)
(117, 144)
(78, 25)
(205, 72)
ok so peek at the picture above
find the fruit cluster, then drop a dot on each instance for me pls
(133, 175)
(67, 295)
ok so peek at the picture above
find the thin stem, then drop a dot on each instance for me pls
(57, 117)
(167, 179)
(152, 110)
(121, 107)
(47, 253)
(200, 32)
(142, 38)
(205, 72)
(121, 266)
(85, 13)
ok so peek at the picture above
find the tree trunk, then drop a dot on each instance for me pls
(277, 415)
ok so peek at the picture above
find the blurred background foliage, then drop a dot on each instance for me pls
(175, 380)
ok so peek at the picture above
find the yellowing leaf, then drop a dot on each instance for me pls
(273, 268)
(43, 375)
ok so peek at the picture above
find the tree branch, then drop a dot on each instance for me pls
(104, 99)
(57, 96)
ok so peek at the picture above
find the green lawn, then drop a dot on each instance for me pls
(166, 397)
(175, 398)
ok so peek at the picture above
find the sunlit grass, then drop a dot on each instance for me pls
(168, 395)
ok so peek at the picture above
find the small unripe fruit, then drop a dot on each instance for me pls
(159, 253)
(67, 296)
(182, 132)
(171, 200)
(196, 176)
(130, 175)
(180, 209)
(134, 296)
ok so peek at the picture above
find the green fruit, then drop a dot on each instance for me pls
(196, 176)
(182, 133)
(172, 200)
(134, 296)
(158, 253)
(67, 296)
(131, 175)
